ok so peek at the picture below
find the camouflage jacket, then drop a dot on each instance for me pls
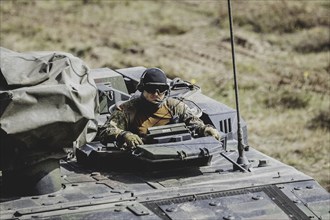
(122, 118)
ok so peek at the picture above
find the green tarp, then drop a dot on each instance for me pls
(47, 99)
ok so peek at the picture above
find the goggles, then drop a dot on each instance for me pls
(160, 89)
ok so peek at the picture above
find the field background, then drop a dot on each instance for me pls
(282, 56)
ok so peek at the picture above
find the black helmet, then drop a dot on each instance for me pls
(153, 76)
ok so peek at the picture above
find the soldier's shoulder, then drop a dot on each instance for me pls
(172, 101)
(130, 104)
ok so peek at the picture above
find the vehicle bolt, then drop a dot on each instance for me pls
(257, 197)
(214, 203)
(73, 208)
(310, 187)
(263, 163)
(229, 217)
(171, 209)
(95, 174)
(297, 188)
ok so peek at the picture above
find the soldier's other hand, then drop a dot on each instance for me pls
(132, 140)
(209, 131)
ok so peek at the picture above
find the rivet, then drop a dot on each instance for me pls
(95, 174)
(73, 208)
(214, 203)
(257, 197)
(171, 209)
(297, 188)
(229, 217)
(310, 187)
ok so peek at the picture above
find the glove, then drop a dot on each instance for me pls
(209, 131)
(132, 140)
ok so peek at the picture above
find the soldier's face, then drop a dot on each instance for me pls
(154, 97)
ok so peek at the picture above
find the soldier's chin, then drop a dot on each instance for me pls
(157, 101)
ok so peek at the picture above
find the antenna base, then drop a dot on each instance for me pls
(243, 162)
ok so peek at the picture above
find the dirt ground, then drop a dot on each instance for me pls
(282, 57)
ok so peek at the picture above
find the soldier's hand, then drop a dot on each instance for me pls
(132, 140)
(209, 131)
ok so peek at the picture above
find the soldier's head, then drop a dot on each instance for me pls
(153, 85)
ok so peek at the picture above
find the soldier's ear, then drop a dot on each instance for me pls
(140, 86)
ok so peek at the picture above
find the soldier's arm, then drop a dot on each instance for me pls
(114, 126)
(189, 118)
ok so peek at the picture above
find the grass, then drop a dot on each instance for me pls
(282, 56)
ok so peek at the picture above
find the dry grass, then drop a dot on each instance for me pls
(283, 64)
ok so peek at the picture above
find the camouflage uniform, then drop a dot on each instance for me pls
(123, 118)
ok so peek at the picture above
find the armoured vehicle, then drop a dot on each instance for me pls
(176, 175)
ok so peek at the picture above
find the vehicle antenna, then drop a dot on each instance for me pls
(242, 160)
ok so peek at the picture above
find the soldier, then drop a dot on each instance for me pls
(129, 122)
